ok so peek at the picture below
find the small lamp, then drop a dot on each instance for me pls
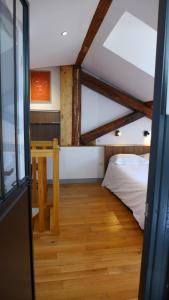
(118, 133)
(146, 133)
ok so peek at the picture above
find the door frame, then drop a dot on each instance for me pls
(10, 199)
(154, 269)
(26, 41)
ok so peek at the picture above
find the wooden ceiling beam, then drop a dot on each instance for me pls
(114, 94)
(109, 127)
(149, 104)
(95, 24)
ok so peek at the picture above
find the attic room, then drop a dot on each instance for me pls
(84, 142)
(100, 106)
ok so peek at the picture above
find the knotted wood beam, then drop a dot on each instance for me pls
(115, 95)
(76, 107)
(95, 24)
(109, 127)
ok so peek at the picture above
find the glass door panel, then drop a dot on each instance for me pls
(7, 92)
(20, 89)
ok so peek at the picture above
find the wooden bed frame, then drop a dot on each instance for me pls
(123, 149)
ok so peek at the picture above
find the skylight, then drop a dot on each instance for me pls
(135, 42)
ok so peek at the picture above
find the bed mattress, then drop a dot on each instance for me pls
(129, 183)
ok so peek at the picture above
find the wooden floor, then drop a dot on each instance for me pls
(97, 255)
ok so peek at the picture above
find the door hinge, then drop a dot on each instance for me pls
(167, 219)
(147, 210)
(29, 180)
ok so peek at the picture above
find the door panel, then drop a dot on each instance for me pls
(154, 283)
(15, 262)
(20, 89)
(8, 94)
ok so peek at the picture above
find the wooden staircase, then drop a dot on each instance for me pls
(45, 211)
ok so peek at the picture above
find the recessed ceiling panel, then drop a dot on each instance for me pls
(134, 41)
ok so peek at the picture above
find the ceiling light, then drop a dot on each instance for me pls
(64, 33)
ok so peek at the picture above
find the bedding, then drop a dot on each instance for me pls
(146, 156)
(127, 159)
(128, 181)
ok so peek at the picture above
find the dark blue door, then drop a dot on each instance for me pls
(16, 262)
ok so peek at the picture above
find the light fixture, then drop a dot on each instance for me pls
(146, 133)
(118, 133)
(64, 33)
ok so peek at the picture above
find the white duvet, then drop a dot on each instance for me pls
(129, 183)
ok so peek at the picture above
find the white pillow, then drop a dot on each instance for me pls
(128, 159)
(146, 156)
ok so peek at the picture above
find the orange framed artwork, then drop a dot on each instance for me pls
(40, 86)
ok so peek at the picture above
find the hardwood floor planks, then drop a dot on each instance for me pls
(97, 254)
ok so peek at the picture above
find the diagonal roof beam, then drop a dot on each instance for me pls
(114, 94)
(95, 24)
(149, 104)
(111, 126)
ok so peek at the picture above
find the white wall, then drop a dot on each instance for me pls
(55, 92)
(88, 162)
(98, 110)
(80, 163)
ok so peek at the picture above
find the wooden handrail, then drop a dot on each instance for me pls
(40, 152)
(43, 144)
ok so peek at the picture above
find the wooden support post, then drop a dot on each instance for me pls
(55, 215)
(42, 191)
(66, 85)
(76, 115)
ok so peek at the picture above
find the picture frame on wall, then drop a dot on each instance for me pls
(40, 86)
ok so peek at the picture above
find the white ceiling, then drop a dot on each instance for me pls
(48, 19)
(133, 33)
(111, 67)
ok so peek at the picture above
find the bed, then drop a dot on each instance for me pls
(127, 175)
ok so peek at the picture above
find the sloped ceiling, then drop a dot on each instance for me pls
(48, 19)
(109, 66)
(49, 48)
